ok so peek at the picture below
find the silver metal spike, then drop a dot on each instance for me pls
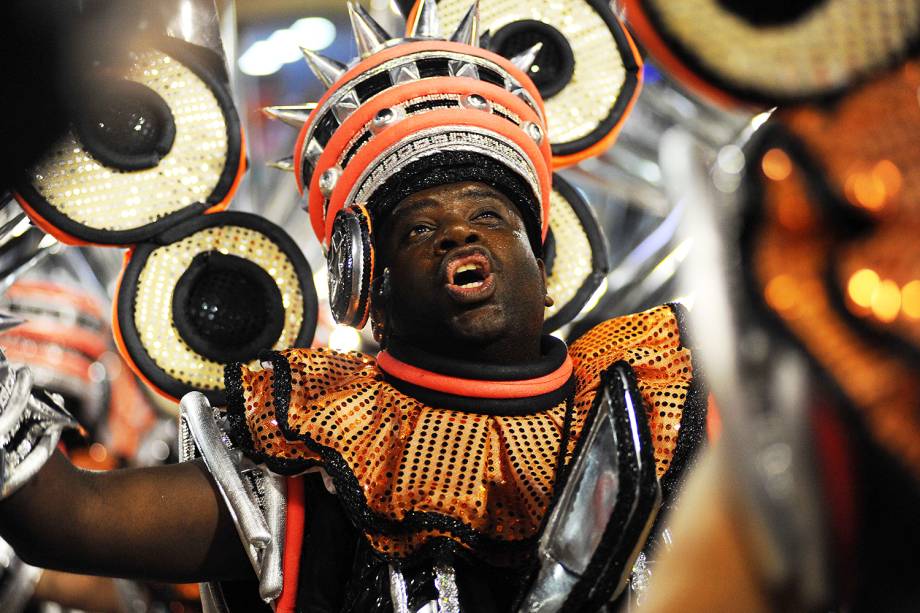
(327, 70)
(525, 59)
(285, 164)
(468, 30)
(459, 68)
(8, 321)
(294, 115)
(369, 35)
(426, 22)
(485, 40)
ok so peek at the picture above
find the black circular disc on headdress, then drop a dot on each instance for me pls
(125, 125)
(351, 266)
(575, 255)
(212, 290)
(158, 143)
(227, 308)
(556, 60)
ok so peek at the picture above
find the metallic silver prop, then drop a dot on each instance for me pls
(254, 496)
(607, 507)
(30, 427)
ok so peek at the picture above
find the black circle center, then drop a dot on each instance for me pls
(555, 63)
(126, 125)
(770, 12)
(227, 308)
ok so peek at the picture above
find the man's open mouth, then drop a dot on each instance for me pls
(469, 278)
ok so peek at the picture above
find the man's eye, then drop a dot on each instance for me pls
(488, 215)
(418, 230)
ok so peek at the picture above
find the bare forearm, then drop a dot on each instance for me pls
(164, 523)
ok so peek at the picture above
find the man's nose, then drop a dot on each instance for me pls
(456, 234)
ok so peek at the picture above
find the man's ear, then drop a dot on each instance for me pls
(547, 299)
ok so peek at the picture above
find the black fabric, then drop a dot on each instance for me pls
(126, 125)
(770, 13)
(553, 352)
(227, 308)
(555, 59)
(447, 167)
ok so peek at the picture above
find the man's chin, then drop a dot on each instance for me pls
(479, 325)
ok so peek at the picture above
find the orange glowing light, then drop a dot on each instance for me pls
(862, 286)
(869, 190)
(98, 452)
(910, 299)
(776, 165)
(886, 301)
(782, 292)
(890, 175)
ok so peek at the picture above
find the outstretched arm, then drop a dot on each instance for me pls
(165, 523)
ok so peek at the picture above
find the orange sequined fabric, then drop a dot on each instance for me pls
(851, 298)
(410, 475)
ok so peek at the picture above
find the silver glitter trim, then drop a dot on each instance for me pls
(432, 140)
(445, 581)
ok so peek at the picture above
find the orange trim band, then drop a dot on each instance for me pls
(293, 545)
(473, 388)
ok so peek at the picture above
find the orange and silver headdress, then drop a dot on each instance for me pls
(416, 112)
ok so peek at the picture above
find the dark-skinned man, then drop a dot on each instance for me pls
(426, 475)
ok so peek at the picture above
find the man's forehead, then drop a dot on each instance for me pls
(435, 197)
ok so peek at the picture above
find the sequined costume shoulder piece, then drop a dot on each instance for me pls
(414, 477)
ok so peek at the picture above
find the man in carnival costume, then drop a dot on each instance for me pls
(477, 463)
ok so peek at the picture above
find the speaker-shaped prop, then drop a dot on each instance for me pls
(212, 290)
(769, 52)
(580, 58)
(154, 143)
(575, 254)
(351, 267)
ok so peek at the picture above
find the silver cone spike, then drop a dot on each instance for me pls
(485, 41)
(285, 164)
(525, 59)
(327, 70)
(8, 321)
(468, 30)
(295, 115)
(369, 35)
(426, 22)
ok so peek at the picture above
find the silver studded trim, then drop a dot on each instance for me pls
(534, 131)
(432, 140)
(329, 179)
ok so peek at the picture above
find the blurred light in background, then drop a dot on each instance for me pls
(265, 57)
(344, 338)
